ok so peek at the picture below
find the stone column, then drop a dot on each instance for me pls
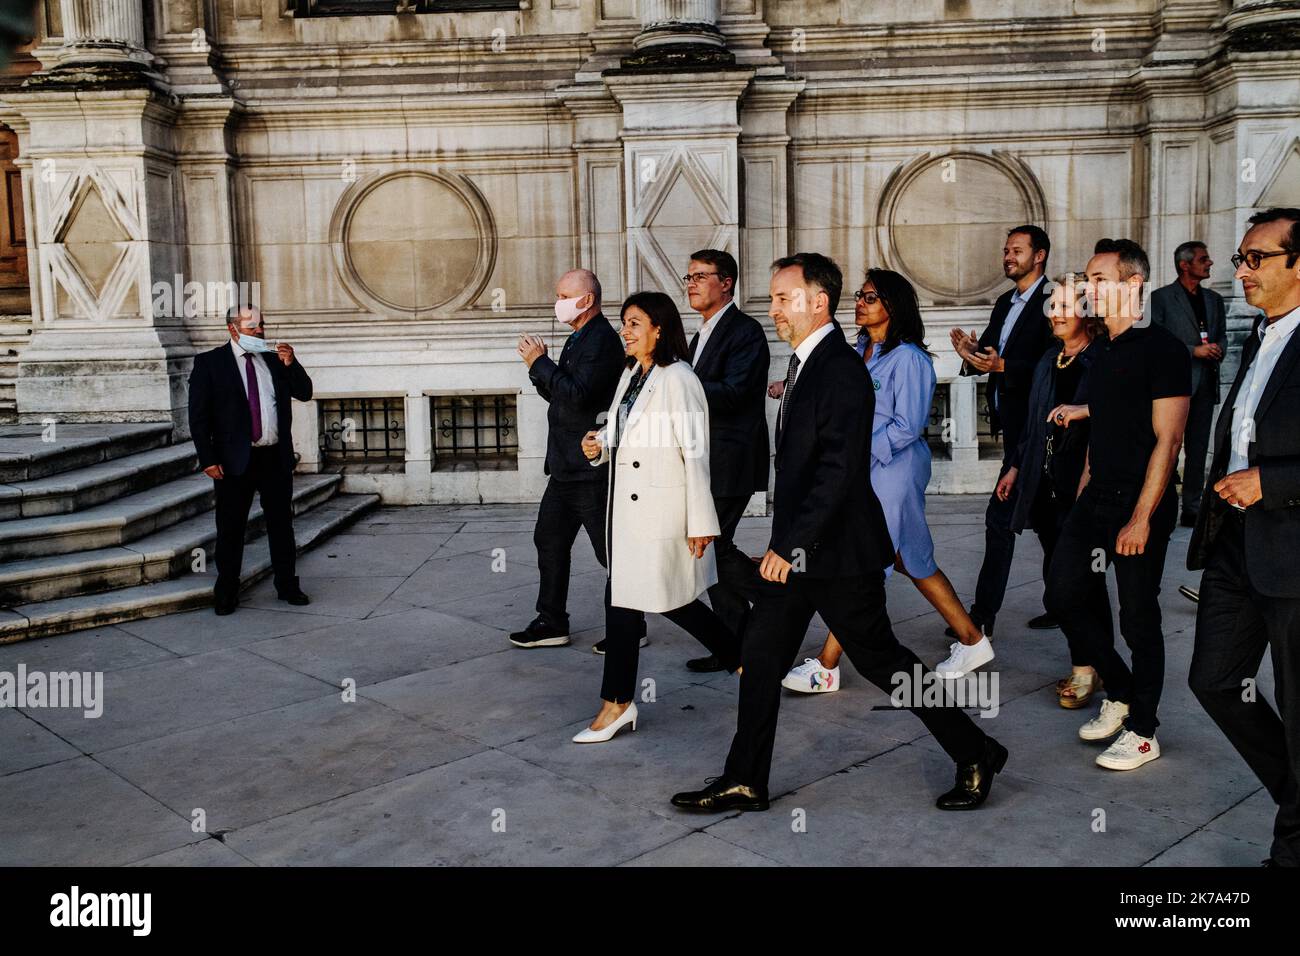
(103, 31)
(678, 33)
(109, 229)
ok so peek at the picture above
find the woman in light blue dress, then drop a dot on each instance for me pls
(891, 339)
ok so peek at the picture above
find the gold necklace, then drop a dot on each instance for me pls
(1066, 364)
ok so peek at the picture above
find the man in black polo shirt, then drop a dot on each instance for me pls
(1139, 393)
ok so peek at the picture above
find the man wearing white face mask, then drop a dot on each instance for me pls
(241, 415)
(578, 387)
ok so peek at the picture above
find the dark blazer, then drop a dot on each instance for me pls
(824, 507)
(1030, 338)
(733, 370)
(1273, 523)
(219, 420)
(1031, 453)
(579, 387)
(1170, 309)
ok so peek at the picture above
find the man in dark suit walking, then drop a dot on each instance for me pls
(827, 553)
(1008, 351)
(730, 356)
(241, 421)
(1248, 533)
(1196, 317)
(579, 387)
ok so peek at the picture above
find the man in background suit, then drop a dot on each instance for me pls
(1008, 351)
(730, 356)
(1248, 533)
(827, 553)
(241, 421)
(1196, 317)
(578, 387)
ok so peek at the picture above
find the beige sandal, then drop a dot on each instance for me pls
(1076, 690)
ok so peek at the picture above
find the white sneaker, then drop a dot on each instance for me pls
(1107, 723)
(965, 659)
(811, 677)
(1128, 752)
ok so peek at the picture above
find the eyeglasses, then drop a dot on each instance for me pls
(697, 277)
(870, 298)
(1254, 257)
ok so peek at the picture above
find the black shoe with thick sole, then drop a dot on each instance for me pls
(975, 780)
(722, 795)
(705, 665)
(296, 598)
(1044, 622)
(539, 634)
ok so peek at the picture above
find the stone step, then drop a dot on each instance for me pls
(117, 522)
(82, 488)
(25, 457)
(63, 615)
(165, 554)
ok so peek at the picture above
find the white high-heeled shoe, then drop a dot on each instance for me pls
(589, 736)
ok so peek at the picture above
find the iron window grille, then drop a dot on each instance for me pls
(362, 430)
(475, 433)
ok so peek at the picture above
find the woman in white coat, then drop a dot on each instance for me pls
(661, 519)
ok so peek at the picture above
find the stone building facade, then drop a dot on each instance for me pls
(398, 183)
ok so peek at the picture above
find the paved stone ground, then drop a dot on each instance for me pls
(455, 736)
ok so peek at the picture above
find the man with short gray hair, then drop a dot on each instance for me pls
(1197, 318)
(578, 387)
(241, 420)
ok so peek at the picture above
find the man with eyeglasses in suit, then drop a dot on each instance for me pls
(730, 357)
(1248, 533)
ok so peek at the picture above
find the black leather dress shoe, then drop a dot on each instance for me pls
(1044, 622)
(974, 780)
(296, 598)
(721, 795)
(226, 606)
(705, 665)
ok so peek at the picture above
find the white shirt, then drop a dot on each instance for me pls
(1274, 337)
(265, 392)
(707, 326)
(806, 347)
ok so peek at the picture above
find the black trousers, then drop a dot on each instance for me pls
(1234, 625)
(1196, 442)
(566, 507)
(1086, 548)
(999, 551)
(854, 610)
(267, 477)
(736, 573)
(623, 630)
(1049, 512)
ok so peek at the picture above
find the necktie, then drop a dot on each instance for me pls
(789, 388)
(254, 397)
(695, 341)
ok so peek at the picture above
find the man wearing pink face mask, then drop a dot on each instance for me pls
(579, 387)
